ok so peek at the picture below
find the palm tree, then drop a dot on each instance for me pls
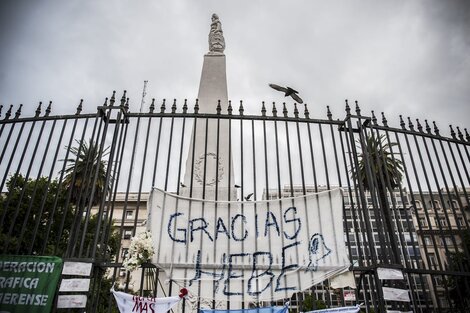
(81, 170)
(386, 174)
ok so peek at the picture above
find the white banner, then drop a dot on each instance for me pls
(389, 273)
(251, 250)
(346, 309)
(75, 284)
(129, 303)
(77, 268)
(343, 280)
(396, 294)
(71, 301)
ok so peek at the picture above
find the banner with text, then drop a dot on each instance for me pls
(128, 303)
(28, 283)
(251, 250)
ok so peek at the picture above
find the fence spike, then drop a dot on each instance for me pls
(126, 105)
(428, 128)
(274, 109)
(38, 109)
(410, 124)
(105, 102)
(402, 123)
(152, 106)
(123, 99)
(80, 107)
(196, 107)
(113, 98)
(358, 110)
(452, 132)
(8, 114)
(328, 113)
(385, 122)
(284, 109)
(48, 109)
(229, 108)
(163, 107)
(263, 109)
(219, 108)
(460, 134)
(1, 108)
(419, 126)
(467, 136)
(185, 106)
(348, 109)
(307, 113)
(374, 119)
(296, 111)
(18, 112)
(173, 107)
(436, 130)
(240, 109)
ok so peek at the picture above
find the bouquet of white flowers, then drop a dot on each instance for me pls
(140, 251)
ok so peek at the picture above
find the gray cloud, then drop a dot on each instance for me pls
(399, 57)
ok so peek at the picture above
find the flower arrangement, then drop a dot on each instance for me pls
(140, 251)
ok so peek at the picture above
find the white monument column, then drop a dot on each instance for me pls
(211, 165)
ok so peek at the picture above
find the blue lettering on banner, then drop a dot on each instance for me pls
(254, 276)
(202, 227)
(234, 219)
(285, 267)
(221, 228)
(170, 229)
(235, 228)
(232, 274)
(296, 222)
(270, 222)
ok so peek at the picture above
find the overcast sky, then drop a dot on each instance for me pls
(400, 57)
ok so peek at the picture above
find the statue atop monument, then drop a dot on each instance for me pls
(216, 36)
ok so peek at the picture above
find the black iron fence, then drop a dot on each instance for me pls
(76, 186)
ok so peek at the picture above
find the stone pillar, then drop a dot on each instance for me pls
(212, 162)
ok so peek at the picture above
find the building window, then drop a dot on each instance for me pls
(438, 280)
(418, 204)
(127, 233)
(129, 214)
(427, 241)
(460, 221)
(124, 252)
(432, 261)
(423, 222)
(447, 240)
(441, 221)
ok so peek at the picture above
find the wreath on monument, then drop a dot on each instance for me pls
(140, 251)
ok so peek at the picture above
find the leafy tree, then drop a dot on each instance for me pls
(37, 214)
(309, 303)
(387, 173)
(381, 162)
(81, 170)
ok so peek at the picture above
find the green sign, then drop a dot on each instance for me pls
(28, 283)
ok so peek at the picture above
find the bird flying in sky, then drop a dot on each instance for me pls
(287, 92)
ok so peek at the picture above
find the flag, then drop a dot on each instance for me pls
(248, 250)
(346, 309)
(273, 309)
(128, 303)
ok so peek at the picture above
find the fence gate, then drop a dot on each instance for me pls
(77, 186)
